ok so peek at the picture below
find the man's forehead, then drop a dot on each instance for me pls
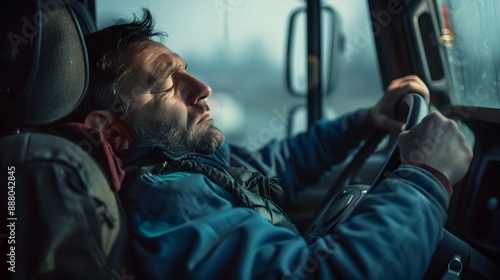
(153, 53)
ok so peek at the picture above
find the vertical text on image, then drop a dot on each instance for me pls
(11, 218)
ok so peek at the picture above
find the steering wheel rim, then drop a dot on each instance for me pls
(341, 200)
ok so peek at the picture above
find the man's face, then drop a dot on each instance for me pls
(168, 105)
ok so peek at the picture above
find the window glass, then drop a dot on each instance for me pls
(238, 47)
(472, 40)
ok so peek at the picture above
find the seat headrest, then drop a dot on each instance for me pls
(43, 63)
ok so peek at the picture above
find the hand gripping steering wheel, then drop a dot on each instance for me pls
(341, 199)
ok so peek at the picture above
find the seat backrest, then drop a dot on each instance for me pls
(85, 18)
(62, 219)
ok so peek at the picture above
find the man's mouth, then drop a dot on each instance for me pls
(205, 117)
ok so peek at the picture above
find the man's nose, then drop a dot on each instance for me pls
(195, 90)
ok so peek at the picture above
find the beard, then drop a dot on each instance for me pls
(170, 136)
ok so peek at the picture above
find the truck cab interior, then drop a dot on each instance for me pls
(275, 68)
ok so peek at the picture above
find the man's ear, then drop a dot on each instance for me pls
(112, 128)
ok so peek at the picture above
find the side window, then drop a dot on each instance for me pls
(470, 35)
(238, 47)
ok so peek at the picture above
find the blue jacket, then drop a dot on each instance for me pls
(186, 226)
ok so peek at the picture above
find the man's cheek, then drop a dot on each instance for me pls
(171, 116)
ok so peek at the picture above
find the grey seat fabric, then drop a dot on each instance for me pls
(43, 69)
(64, 220)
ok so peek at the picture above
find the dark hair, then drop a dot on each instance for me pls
(108, 71)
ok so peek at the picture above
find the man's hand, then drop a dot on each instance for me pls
(383, 114)
(438, 143)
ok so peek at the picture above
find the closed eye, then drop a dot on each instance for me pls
(165, 90)
(170, 89)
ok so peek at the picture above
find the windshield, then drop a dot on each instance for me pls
(472, 41)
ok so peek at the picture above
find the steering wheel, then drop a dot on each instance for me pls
(341, 199)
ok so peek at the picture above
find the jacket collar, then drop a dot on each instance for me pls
(150, 153)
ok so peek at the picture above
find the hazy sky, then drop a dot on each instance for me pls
(196, 23)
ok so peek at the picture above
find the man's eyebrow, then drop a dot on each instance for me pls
(164, 70)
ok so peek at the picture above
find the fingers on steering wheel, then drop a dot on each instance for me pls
(392, 124)
(408, 84)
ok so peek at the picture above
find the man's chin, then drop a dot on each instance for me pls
(212, 129)
(217, 136)
(211, 139)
